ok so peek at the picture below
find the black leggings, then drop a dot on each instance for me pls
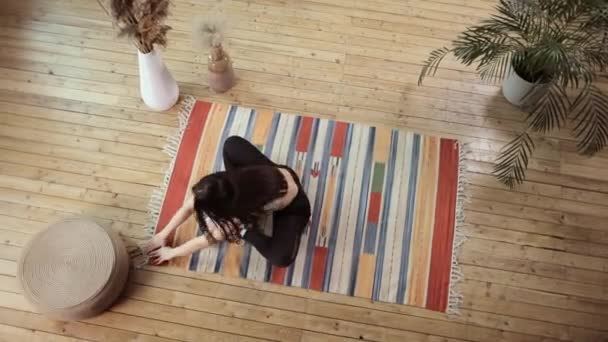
(289, 223)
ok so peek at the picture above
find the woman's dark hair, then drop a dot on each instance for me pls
(240, 193)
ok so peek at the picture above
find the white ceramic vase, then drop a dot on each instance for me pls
(158, 88)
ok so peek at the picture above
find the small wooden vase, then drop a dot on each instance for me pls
(221, 74)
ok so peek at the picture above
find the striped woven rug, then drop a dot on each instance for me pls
(385, 203)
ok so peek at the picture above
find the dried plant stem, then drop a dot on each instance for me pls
(141, 21)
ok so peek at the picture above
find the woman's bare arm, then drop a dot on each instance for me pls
(203, 241)
(159, 240)
(192, 246)
(180, 217)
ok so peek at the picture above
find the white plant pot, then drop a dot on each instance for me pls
(157, 87)
(515, 88)
(520, 92)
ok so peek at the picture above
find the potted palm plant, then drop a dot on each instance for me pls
(550, 55)
(209, 35)
(142, 22)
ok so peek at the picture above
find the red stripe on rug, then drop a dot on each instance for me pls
(337, 147)
(373, 214)
(318, 268)
(304, 136)
(180, 178)
(443, 235)
(278, 275)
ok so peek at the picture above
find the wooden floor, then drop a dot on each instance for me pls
(76, 139)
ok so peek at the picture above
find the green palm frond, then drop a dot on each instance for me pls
(480, 46)
(589, 54)
(512, 17)
(565, 11)
(597, 56)
(550, 110)
(430, 66)
(590, 115)
(559, 45)
(512, 161)
(560, 62)
(598, 15)
(520, 18)
(498, 67)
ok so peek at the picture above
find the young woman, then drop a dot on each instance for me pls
(229, 204)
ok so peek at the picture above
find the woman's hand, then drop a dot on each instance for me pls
(161, 255)
(159, 240)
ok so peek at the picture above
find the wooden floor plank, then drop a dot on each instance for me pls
(516, 294)
(537, 312)
(279, 318)
(543, 255)
(537, 240)
(16, 169)
(8, 267)
(9, 333)
(74, 152)
(9, 252)
(535, 282)
(91, 332)
(541, 202)
(549, 270)
(44, 102)
(315, 308)
(29, 219)
(73, 192)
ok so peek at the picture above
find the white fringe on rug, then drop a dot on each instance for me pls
(460, 235)
(171, 148)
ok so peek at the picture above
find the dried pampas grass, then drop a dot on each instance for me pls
(141, 21)
(209, 31)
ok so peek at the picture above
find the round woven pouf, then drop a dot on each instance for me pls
(73, 270)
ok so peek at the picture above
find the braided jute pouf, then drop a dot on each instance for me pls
(73, 270)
